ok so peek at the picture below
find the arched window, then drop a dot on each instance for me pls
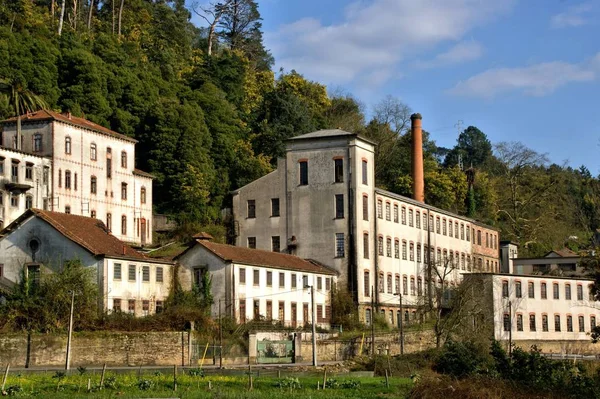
(143, 195)
(67, 145)
(123, 159)
(28, 202)
(37, 142)
(124, 225)
(93, 152)
(68, 179)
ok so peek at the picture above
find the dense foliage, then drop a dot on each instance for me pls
(210, 114)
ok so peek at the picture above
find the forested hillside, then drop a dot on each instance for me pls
(211, 119)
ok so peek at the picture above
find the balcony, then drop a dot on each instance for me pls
(15, 187)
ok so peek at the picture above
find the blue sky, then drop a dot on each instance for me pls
(520, 70)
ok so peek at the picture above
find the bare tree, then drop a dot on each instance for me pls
(394, 113)
(89, 21)
(62, 17)
(120, 16)
(211, 14)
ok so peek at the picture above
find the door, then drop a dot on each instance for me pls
(143, 228)
(294, 315)
(305, 313)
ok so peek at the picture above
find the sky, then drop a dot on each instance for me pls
(519, 70)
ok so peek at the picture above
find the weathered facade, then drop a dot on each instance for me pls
(92, 172)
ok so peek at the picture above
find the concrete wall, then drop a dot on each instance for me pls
(95, 349)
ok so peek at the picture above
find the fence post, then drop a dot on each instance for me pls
(5, 376)
(175, 377)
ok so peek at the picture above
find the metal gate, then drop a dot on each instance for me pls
(275, 351)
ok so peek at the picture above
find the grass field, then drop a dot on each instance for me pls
(158, 385)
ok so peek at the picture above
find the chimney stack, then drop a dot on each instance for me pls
(417, 158)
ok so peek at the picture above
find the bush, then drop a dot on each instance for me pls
(461, 359)
(289, 382)
(144, 385)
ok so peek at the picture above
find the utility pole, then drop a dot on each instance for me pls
(372, 323)
(220, 337)
(314, 325)
(510, 330)
(68, 362)
(401, 325)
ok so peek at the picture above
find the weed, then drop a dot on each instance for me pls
(197, 372)
(144, 385)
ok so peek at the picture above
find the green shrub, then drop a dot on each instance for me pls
(350, 384)
(461, 359)
(331, 383)
(144, 385)
(288, 382)
(196, 372)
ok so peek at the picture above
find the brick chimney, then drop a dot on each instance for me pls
(417, 158)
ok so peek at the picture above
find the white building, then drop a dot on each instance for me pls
(92, 172)
(255, 284)
(39, 241)
(538, 308)
(25, 182)
(321, 203)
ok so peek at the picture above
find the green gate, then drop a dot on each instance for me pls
(275, 351)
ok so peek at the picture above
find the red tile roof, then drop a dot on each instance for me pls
(45, 114)
(87, 232)
(259, 257)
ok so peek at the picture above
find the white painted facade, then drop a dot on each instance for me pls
(277, 294)
(25, 182)
(566, 312)
(308, 214)
(80, 183)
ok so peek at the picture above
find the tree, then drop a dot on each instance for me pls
(211, 14)
(472, 147)
(21, 101)
(394, 113)
(345, 112)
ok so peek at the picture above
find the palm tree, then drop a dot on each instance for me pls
(21, 100)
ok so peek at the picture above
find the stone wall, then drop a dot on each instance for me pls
(95, 349)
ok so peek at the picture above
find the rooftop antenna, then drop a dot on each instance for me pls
(458, 126)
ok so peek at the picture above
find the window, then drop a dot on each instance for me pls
(419, 286)
(519, 322)
(131, 305)
(303, 173)
(555, 291)
(131, 274)
(462, 231)
(251, 209)
(124, 225)
(395, 213)
(108, 163)
(327, 284)
(437, 225)
(545, 323)
(456, 229)
(556, 322)
(339, 206)
(397, 249)
(28, 202)
(450, 228)
(242, 275)
(1, 164)
(366, 284)
(252, 242)
(368, 317)
(531, 289)
(478, 237)
(365, 207)
(116, 305)
(543, 293)
(381, 283)
(569, 323)
(68, 179)
(487, 240)
(159, 274)
(75, 181)
(412, 286)
(397, 284)
(339, 170)
(579, 292)
(581, 323)
(159, 307)
(275, 244)
(364, 172)
(404, 215)
(388, 247)
(518, 289)
(339, 245)
(410, 218)
(256, 309)
(380, 245)
(591, 295)
(146, 273)
(504, 289)
(255, 277)
(67, 145)
(93, 185)
(380, 209)
(531, 322)
(444, 227)
(366, 245)
(29, 171)
(109, 222)
(387, 211)
(242, 310)
(419, 253)
(123, 159)
(404, 285)
(93, 152)
(37, 142)
(468, 231)
(143, 195)
(281, 280)
(592, 322)
(269, 279)
(411, 252)
(117, 273)
(506, 322)
(568, 292)
(304, 280)
(425, 224)
(68, 210)
(274, 206)
(390, 288)
(123, 191)
(418, 220)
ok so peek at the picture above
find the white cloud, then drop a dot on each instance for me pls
(534, 80)
(574, 16)
(374, 36)
(462, 52)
